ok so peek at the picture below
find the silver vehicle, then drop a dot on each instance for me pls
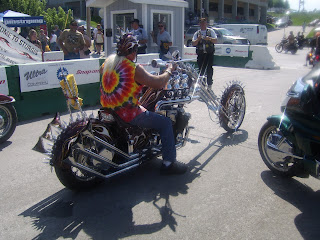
(224, 36)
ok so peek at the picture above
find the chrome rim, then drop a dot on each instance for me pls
(272, 140)
(5, 120)
(235, 109)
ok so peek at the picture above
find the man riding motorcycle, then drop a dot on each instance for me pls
(291, 41)
(121, 87)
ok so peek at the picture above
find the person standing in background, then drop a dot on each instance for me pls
(95, 36)
(53, 41)
(71, 41)
(85, 52)
(163, 40)
(43, 39)
(57, 32)
(204, 40)
(99, 41)
(33, 38)
(140, 34)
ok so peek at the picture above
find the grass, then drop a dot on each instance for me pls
(298, 18)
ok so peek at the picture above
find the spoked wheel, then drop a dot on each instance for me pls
(8, 121)
(72, 177)
(270, 139)
(233, 108)
(279, 48)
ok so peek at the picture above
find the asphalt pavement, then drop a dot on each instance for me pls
(228, 194)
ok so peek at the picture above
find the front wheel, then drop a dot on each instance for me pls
(8, 121)
(270, 141)
(279, 48)
(233, 107)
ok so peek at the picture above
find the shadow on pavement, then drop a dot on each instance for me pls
(300, 196)
(108, 212)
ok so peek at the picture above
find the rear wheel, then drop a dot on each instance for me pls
(75, 178)
(233, 109)
(279, 48)
(271, 138)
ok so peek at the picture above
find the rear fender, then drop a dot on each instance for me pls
(283, 123)
(6, 99)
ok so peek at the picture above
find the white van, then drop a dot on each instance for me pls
(257, 34)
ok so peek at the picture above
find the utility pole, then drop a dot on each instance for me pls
(301, 4)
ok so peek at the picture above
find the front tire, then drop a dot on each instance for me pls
(233, 109)
(279, 48)
(8, 121)
(279, 163)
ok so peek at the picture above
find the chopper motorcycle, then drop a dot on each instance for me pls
(91, 149)
(8, 117)
(289, 144)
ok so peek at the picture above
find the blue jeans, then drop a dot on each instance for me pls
(72, 55)
(163, 125)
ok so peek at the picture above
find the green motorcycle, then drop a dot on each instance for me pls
(289, 144)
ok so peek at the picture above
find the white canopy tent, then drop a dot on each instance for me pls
(10, 13)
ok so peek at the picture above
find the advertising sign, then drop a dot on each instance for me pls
(221, 50)
(43, 76)
(15, 49)
(3, 81)
(23, 21)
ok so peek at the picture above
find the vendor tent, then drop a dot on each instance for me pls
(10, 13)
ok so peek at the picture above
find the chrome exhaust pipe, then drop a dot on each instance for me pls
(72, 162)
(79, 147)
(108, 146)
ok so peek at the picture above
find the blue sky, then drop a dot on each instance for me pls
(309, 5)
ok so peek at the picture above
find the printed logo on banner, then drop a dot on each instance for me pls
(228, 50)
(61, 73)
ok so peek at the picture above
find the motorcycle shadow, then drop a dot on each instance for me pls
(302, 197)
(137, 203)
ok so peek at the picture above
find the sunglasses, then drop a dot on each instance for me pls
(75, 25)
(160, 25)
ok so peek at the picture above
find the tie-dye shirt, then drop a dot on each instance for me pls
(120, 92)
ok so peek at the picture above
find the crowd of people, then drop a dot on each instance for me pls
(73, 41)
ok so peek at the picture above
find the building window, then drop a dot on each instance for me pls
(213, 7)
(251, 12)
(227, 8)
(240, 11)
(121, 22)
(162, 16)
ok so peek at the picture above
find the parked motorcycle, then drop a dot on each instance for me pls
(91, 149)
(8, 117)
(289, 143)
(284, 46)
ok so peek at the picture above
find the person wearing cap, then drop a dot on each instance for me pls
(141, 36)
(163, 40)
(204, 40)
(71, 41)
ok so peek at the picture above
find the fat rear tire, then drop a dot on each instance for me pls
(66, 173)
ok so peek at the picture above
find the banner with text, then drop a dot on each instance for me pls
(3, 82)
(23, 21)
(15, 49)
(35, 77)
